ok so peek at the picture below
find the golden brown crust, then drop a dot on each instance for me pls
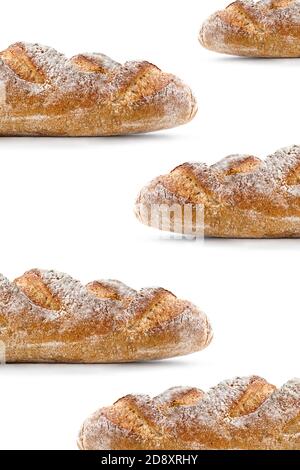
(46, 316)
(241, 197)
(42, 92)
(268, 28)
(243, 413)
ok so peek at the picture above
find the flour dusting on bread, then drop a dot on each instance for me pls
(47, 316)
(268, 28)
(241, 196)
(242, 413)
(88, 94)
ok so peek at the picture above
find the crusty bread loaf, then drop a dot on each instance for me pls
(44, 93)
(244, 413)
(241, 197)
(46, 316)
(268, 28)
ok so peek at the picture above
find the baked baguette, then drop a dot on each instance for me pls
(44, 93)
(46, 316)
(241, 197)
(244, 413)
(269, 28)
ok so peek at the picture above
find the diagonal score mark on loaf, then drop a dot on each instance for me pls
(152, 308)
(252, 398)
(179, 396)
(138, 81)
(32, 285)
(96, 62)
(241, 15)
(235, 164)
(137, 415)
(18, 59)
(112, 289)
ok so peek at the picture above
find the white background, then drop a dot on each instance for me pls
(67, 204)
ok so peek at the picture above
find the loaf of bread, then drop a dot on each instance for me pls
(46, 316)
(44, 93)
(269, 28)
(244, 413)
(239, 197)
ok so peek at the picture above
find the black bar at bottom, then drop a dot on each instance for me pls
(136, 459)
